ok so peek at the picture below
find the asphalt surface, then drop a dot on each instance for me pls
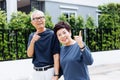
(106, 66)
(104, 72)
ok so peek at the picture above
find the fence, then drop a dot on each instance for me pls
(101, 39)
(13, 43)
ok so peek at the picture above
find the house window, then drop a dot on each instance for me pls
(68, 10)
(98, 16)
(68, 14)
(29, 5)
(23, 5)
(40, 5)
(3, 4)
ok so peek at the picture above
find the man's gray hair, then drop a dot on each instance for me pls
(36, 12)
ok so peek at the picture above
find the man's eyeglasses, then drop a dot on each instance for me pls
(37, 18)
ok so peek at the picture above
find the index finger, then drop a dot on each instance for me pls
(80, 33)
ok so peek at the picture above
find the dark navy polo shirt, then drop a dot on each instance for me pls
(45, 48)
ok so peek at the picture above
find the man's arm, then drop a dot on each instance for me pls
(30, 49)
(56, 65)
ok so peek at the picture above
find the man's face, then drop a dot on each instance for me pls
(38, 21)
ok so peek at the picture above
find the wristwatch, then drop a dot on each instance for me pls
(82, 47)
(56, 74)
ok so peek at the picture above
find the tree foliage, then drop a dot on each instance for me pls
(110, 15)
(13, 41)
(3, 19)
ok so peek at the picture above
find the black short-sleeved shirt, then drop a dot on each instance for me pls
(45, 48)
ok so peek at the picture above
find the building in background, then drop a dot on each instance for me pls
(2, 5)
(56, 7)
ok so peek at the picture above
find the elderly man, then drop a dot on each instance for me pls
(44, 48)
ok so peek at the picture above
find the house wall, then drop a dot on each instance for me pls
(56, 8)
(86, 11)
(53, 9)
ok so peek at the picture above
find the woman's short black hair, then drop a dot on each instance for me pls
(60, 25)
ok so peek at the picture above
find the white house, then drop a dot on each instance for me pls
(56, 7)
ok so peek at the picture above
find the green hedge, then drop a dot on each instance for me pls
(14, 35)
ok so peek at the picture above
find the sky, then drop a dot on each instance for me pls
(89, 2)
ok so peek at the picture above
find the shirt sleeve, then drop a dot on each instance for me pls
(87, 56)
(56, 45)
(30, 37)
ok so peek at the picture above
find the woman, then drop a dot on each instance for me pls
(74, 54)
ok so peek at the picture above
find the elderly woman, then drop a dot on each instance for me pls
(75, 56)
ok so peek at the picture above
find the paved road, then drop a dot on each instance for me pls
(105, 72)
(106, 66)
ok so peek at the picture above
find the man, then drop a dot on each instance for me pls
(44, 47)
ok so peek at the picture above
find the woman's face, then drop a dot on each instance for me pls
(64, 36)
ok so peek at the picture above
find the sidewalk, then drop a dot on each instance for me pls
(106, 66)
(105, 72)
